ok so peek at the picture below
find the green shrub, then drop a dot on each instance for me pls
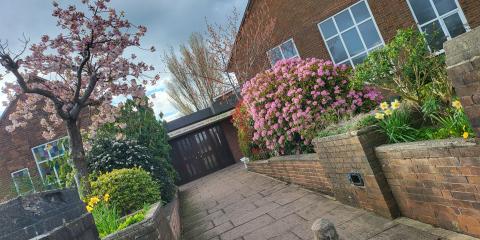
(129, 189)
(109, 154)
(137, 122)
(135, 218)
(406, 67)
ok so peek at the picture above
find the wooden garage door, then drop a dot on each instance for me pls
(200, 153)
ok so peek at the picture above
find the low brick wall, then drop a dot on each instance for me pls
(304, 170)
(44, 213)
(437, 182)
(160, 223)
(353, 152)
(82, 228)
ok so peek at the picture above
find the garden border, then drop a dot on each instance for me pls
(161, 222)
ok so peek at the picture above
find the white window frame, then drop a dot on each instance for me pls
(355, 25)
(283, 56)
(440, 18)
(16, 185)
(50, 158)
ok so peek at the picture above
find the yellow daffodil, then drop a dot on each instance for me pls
(457, 104)
(465, 135)
(384, 106)
(379, 116)
(106, 197)
(93, 201)
(388, 112)
(395, 104)
(89, 209)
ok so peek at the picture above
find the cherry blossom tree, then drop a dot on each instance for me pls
(85, 66)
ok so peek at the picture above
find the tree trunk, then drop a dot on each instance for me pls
(77, 155)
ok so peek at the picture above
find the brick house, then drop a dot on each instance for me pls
(345, 31)
(26, 157)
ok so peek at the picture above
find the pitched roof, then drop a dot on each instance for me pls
(218, 107)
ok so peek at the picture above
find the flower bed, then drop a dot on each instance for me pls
(161, 222)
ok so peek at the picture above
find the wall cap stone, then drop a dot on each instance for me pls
(295, 157)
(346, 135)
(462, 48)
(425, 145)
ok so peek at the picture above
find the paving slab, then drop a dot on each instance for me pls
(234, 204)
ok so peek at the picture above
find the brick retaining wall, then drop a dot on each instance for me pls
(160, 223)
(437, 182)
(304, 170)
(45, 213)
(353, 152)
(463, 67)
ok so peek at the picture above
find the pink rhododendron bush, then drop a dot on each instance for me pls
(297, 98)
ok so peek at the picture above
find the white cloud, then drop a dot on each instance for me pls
(161, 104)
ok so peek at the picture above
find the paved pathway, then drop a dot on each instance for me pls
(233, 204)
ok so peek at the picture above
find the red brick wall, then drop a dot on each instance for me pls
(437, 182)
(354, 153)
(298, 20)
(304, 170)
(230, 133)
(16, 153)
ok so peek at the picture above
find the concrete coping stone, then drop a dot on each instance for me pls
(425, 145)
(296, 157)
(346, 135)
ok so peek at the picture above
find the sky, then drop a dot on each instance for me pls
(169, 24)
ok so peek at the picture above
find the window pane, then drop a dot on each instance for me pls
(353, 42)
(444, 6)
(274, 55)
(328, 28)
(336, 48)
(55, 149)
(40, 153)
(423, 10)
(22, 182)
(360, 12)
(343, 20)
(370, 34)
(454, 25)
(48, 174)
(288, 49)
(359, 59)
(435, 36)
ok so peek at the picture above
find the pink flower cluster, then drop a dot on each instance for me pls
(298, 96)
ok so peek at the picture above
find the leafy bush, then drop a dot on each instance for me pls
(296, 98)
(109, 154)
(135, 218)
(137, 121)
(129, 189)
(242, 120)
(405, 66)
